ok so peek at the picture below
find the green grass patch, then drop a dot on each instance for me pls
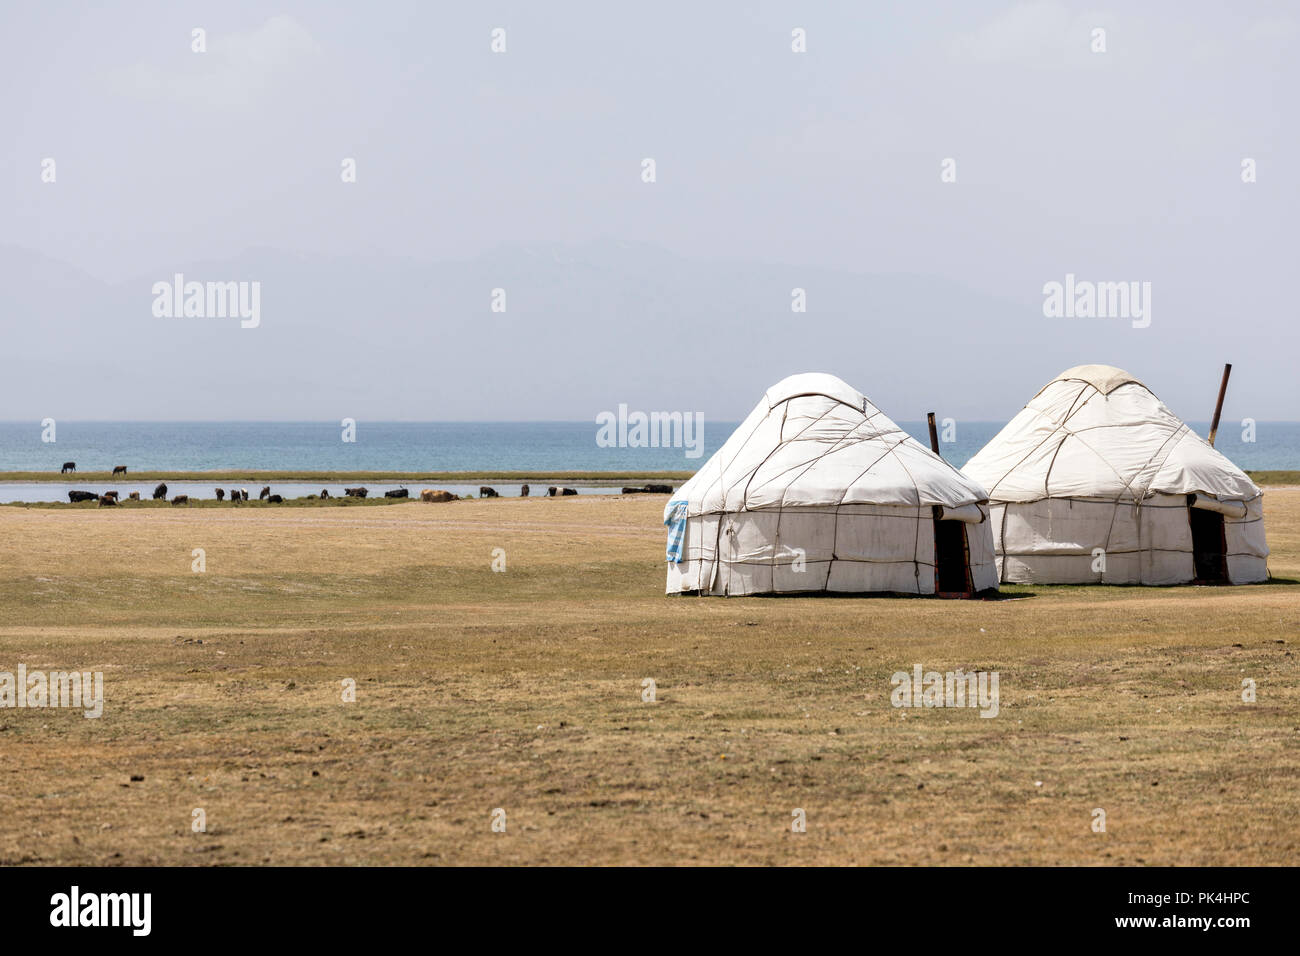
(128, 504)
(1275, 477)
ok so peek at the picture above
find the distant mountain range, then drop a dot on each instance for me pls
(587, 326)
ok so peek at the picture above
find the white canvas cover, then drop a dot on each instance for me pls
(817, 490)
(1096, 461)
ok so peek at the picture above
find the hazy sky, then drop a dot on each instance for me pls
(1115, 166)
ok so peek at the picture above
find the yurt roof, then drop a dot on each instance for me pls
(815, 441)
(1095, 431)
(1104, 378)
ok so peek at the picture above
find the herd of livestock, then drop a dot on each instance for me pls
(110, 498)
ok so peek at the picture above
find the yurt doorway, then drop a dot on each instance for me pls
(951, 558)
(1209, 545)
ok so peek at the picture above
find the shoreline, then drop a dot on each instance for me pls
(594, 479)
(589, 478)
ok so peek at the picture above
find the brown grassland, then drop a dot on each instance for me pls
(522, 690)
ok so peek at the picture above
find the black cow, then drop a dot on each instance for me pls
(160, 492)
(658, 489)
(355, 492)
(568, 491)
(523, 492)
(265, 491)
(550, 492)
(274, 499)
(221, 494)
(324, 492)
(488, 493)
(119, 470)
(67, 467)
(75, 496)
(397, 493)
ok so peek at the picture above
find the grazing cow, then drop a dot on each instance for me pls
(265, 491)
(568, 491)
(658, 489)
(243, 493)
(523, 492)
(324, 492)
(234, 494)
(274, 500)
(181, 500)
(633, 491)
(107, 500)
(429, 494)
(119, 470)
(160, 492)
(134, 496)
(488, 493)
(221, 494)
(355, 492)
(550, 492)
(75, 496)
(397, 493)
(112, 494)
(67, 467)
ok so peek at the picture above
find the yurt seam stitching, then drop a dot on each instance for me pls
(779, 445)
(1056, 427)
(916, 541)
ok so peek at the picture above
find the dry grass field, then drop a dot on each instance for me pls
(522, 690)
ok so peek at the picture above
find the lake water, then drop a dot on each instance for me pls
(438, 446)
(317, 446)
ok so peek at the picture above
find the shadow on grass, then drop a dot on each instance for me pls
(1156, 588)
(989, 595)
(1015, 594)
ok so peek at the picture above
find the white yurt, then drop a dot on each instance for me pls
(818, 491)
(1095, 481)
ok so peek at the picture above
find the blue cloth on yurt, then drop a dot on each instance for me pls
(676, 522)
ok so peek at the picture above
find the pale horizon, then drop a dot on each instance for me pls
(916, 177)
